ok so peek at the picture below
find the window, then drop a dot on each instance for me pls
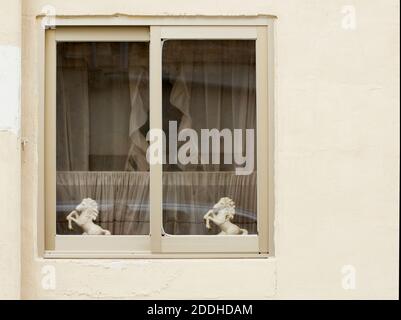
(158, 140)
(208, 84)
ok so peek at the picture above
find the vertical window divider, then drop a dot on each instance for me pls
(155, 123)
(50, 138)
(262, 111)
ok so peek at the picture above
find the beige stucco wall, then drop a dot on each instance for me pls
(10, 187)
(336, 162)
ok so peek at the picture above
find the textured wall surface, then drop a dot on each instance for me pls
(337, 124)
(10, 124)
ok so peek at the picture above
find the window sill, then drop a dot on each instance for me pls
(149, 255)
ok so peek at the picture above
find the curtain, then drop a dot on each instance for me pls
(187, 196)
(123, 199)
(102, 106)
(73, 109)
(213, 86)
(102, 112)
(139, 112)
(103, 118)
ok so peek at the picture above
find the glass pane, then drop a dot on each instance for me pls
(102, 121)
(209, 118)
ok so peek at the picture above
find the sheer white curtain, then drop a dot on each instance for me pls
(139, 113)
(189, 195)
(123, 199)
(213, 86)
(102, 106)
(102, 121)
(73, 109)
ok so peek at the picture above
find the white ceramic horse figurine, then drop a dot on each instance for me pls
(221, 215)
(84, 215)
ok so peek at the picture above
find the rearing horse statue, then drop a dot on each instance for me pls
(221, 215)
(84, 215)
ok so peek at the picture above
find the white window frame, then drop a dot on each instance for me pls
(155, 30)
